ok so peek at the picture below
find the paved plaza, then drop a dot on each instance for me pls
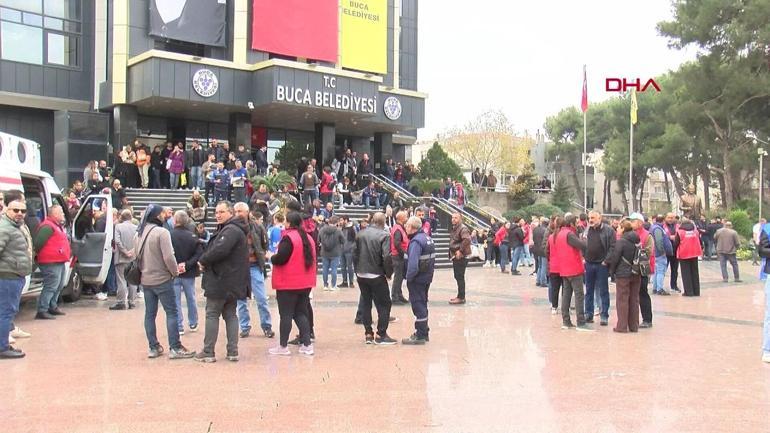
(499, 363)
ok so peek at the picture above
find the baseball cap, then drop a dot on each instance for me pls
(636, 216)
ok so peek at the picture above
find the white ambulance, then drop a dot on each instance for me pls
(91, 250)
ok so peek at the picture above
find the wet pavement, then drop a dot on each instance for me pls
(500, 363)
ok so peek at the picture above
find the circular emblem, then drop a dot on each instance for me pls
(392, 108)
(205, 83)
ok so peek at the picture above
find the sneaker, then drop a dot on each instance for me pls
(245, 332)
(194, 328)
(19, 333)
(343, 286)
(414, 340)
(766, 357)
(515, 273)
(584, 328)
(12, 353)
(268, 333)
(334, 289)
(384, 340)
(554, 311)
(567, 325)
(232, 357)
(101, 296)
(306, 350)
(603, 322)
(326, 288)
(180, 352)
(181, 332)
(645, 325)
(140, 295)
(369, 339)
(155, 352)
(663, 293)
(44, 315)
(205, 357)
(676, 289)
(118, 306)
(279, 350)
(56, 312)
(11, 340)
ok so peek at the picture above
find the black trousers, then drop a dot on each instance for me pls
(418, 297)
(690, 277)
(673, 262)
(645, 303)
(377, 290)
(458, 266)
(554, 287)
(399, 270)
(293, 305)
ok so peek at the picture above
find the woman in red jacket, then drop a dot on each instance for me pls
(688, 249)
(327, 185)
(554, 279)
(294, 276)
(501, 240)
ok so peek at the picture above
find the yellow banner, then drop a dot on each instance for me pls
(364, 33)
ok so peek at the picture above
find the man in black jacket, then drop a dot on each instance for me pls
(600, 240)
(516, 239)
(374, 267)
(539, 235)
(225, 280)
(187, 251)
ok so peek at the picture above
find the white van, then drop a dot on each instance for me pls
(91, 250)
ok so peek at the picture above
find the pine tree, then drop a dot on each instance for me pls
(562, 195)
(438, 165)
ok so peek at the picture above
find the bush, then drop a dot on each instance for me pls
(744, 253)
(542, 209)
(741, 222)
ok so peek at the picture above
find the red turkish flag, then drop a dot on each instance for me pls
(584, 101)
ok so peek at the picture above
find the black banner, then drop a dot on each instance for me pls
(198, 21)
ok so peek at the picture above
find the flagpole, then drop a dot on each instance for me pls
(585, 161)
(631, 165)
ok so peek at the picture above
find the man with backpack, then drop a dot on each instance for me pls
(645, 261)
(663, 249)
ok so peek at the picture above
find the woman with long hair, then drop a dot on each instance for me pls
(554, 279)
(294, 276)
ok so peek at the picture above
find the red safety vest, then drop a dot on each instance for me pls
(689, 244)
(569, 260)
(57, 248)
(404, 239)
(293, 275)
(553, 265)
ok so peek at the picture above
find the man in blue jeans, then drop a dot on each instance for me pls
(600, 241)
(15, 264)
(53, 252)
(257, 241)
(187, 251)
(663, 249)
(516, 239)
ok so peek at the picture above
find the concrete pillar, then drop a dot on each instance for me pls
(124, 126)
(239, 130)
(383, 149)
(325, 142)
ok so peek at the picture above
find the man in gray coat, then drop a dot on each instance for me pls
(727, 246)
(125, 234)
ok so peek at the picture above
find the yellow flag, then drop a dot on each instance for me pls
(633, 106)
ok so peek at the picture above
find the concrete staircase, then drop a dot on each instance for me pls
(139, 199)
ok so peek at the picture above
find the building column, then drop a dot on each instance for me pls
(72, 150)
(124, 126)
(383, 149)
(239, 130)
(325, 143)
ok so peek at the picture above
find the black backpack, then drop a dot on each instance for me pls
(640, 265)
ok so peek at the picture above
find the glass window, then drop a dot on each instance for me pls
(33, 19)
(63, 8)
(10, 15)
(62, 49)
(24, 5)
(21, 43)
(54, 23)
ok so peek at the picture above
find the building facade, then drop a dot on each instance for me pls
(85, 77)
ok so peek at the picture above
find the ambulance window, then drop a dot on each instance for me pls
(21, 151)
(35, 204)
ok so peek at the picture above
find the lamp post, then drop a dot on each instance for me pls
(761, 154)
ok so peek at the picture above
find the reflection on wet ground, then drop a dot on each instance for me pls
(499, 363)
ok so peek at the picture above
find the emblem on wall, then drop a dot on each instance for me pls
(392, 108)
(205, 83)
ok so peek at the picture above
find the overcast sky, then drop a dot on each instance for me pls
(526, 57)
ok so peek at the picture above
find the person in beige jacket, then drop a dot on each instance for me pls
(727, 247)
(155, 256)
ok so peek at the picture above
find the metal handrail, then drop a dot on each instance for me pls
(477, 222)
(479, 209)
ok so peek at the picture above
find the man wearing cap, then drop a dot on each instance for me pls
(646, 242)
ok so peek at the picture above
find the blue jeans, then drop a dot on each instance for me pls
(347, 268)
(186, 285)
(765, 329)
(503, 256)
(526, 256)
(368, 200)
(542, 271)
(111, 283)
(596, 278)
(661, 263)
(53, 283)
(330, 265)
(173, 180)
(196, 181)
(260, 297)
(10, 296)
(163, 294)
(156, 179)
(517, 254)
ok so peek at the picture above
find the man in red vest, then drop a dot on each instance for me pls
(568, 254)
(688, 250)
(399, 242)
(53, 253)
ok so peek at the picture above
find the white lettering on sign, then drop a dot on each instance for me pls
(323, 99)
(330, 82)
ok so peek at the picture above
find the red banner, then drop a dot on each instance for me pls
(297, 28)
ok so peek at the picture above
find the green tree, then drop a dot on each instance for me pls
(565, 129)
(437, 164)
(520, 191)
(562, 195)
